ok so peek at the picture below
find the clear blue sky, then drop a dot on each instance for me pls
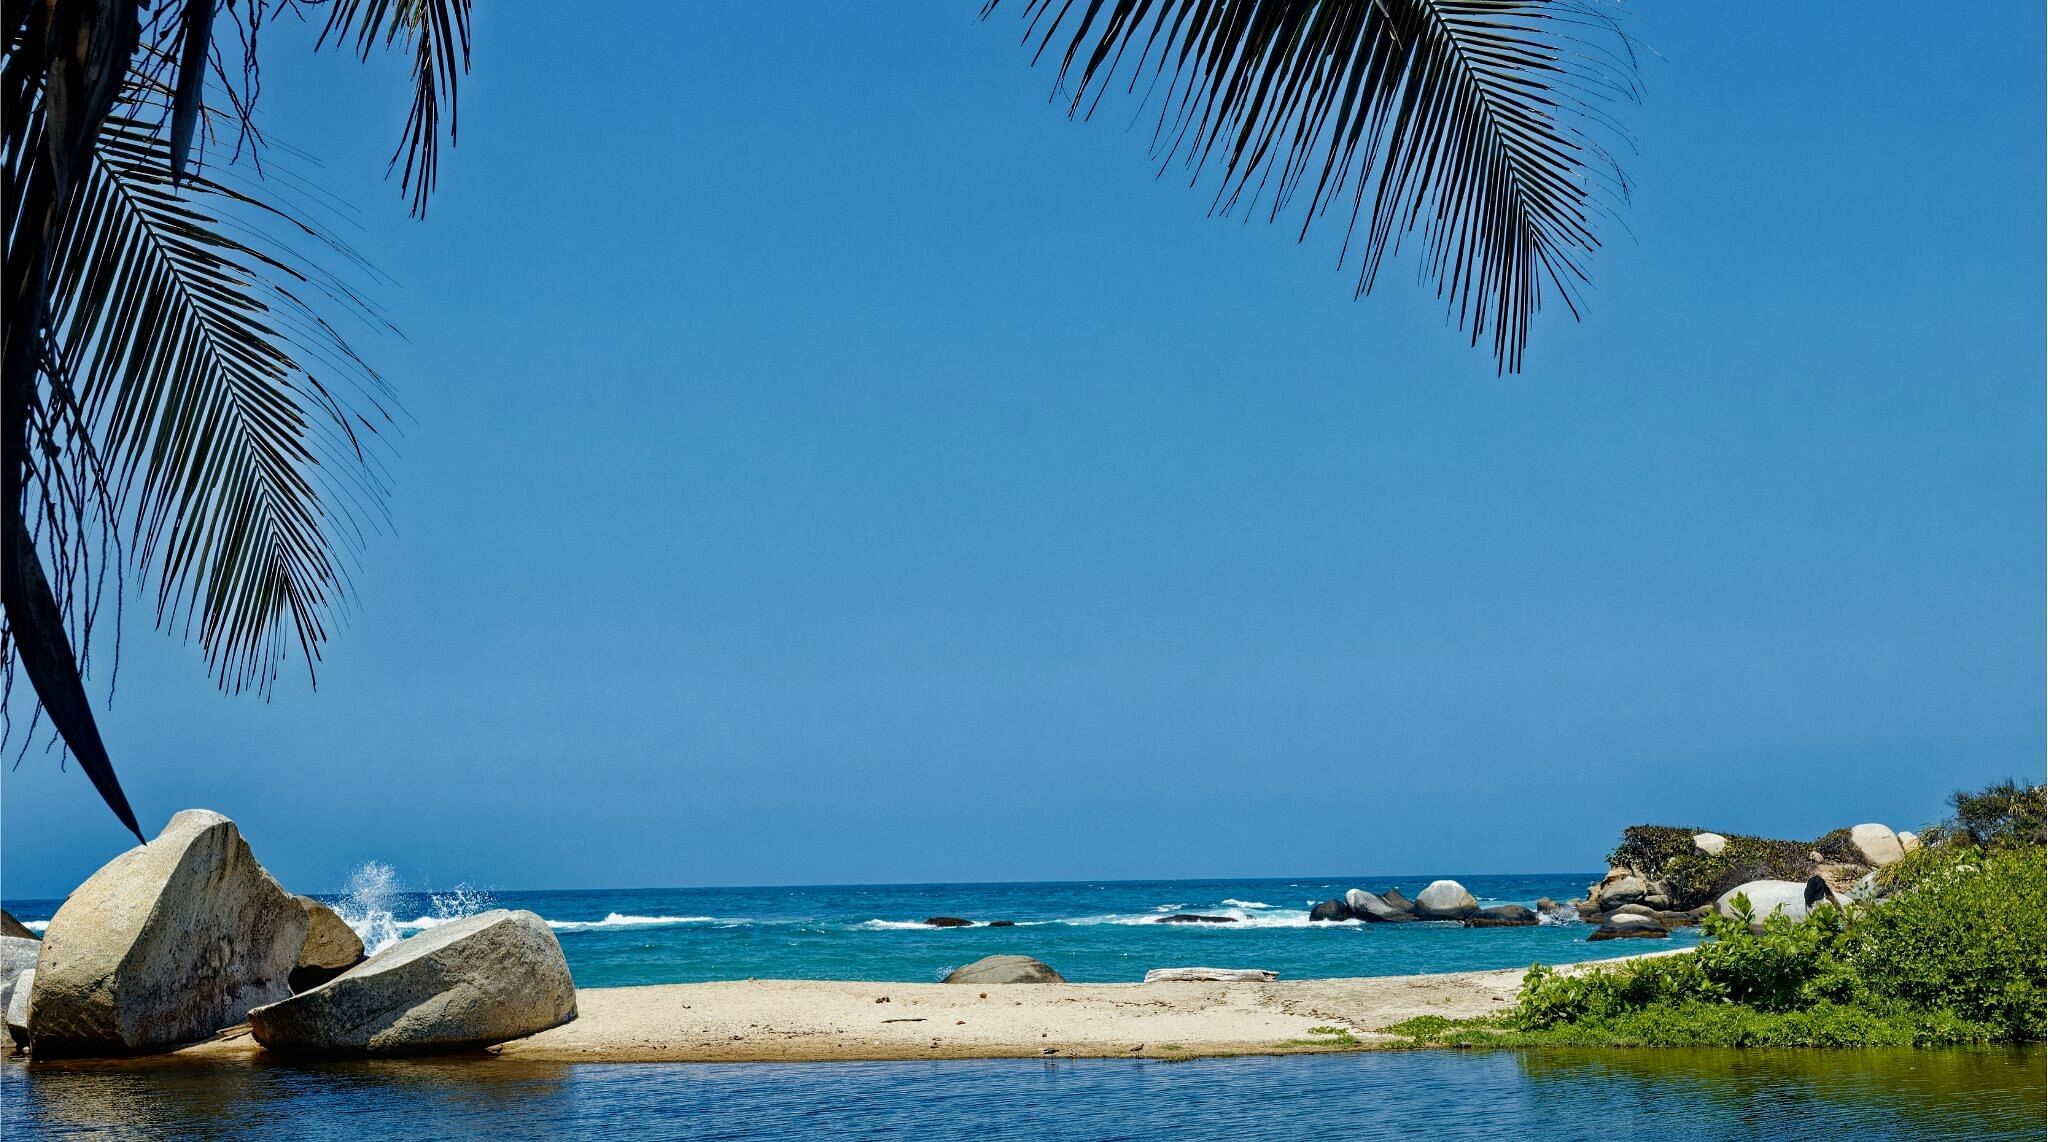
(831, 465)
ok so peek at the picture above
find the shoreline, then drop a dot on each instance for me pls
(756, 1021)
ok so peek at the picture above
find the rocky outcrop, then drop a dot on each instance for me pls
(947, 922)
(1194, 918)
(169, 942)
(1445, 900)
(1210, 975)
(330, 948)
(1623, 887)
(1330, 910)
(9, 926)
(482, 979)
(1504, 916)
(1877, 845)
(1005, 969)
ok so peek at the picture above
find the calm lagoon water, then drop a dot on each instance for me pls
(1090, 932)
(1395, 1094)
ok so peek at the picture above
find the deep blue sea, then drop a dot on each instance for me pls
(1090, 932)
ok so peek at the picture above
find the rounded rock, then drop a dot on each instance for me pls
(1445, 900)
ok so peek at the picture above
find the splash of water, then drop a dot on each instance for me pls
(464, 899)
(366, 902)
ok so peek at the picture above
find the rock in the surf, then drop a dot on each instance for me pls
(1367, 906)
(17, 1008)
(1329, 910)
(482, 979)
(1629, 926)
(1503, 916)
(169, 942)
(1005, 969)
(1194, 918)
(1877, 845)
(1392, 898)
(331, 947)
(9, 926)
(1445, 900)
(947, 922)
(1210, 975)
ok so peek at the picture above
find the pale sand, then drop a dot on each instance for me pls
(826, 1020)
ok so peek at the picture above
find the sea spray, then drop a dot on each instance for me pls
(369, 901)
(366, 902)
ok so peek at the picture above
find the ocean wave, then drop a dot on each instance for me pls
(35, 925)
(612, 920)
(1244, 903)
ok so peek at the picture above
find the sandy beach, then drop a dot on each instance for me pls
(829, 1020)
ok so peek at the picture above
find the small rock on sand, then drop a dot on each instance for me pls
(1210, 975)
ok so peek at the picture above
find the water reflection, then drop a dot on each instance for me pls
(1443, 1094)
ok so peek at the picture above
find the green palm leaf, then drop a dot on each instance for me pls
(1473, 124)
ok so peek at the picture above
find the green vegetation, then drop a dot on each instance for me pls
(1663, 852)
(1954, 954)
(1333, 1037)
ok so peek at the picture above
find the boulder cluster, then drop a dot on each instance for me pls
(1442, 900)
(178, 939)
(1664, 878)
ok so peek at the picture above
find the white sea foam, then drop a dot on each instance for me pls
(35, 925)
(372, 889)
(616, 920)
(1245, 903)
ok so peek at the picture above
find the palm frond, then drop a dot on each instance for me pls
(437, 32)
(1477, 124)
(232, 420)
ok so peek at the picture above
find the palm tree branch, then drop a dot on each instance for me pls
(1474, 124)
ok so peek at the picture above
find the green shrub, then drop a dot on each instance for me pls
(2000, 815)
(1957, 955)
(1964, 931)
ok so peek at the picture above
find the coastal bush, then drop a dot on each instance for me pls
(1997, 816)
(1667, 853)
(1955, 955)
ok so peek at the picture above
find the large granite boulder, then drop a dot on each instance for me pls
(1399, 903)
(1909, 841)
(1877, 845)
(169, 942)
(9, 926)
(1445, 900)
(1329, 910)
(482, 979)
(1766, 897)
(1005, 969)
(1629, 889)
(331, 947)
(1379, 909)
(1709, 844)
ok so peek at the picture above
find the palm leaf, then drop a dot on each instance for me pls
(1474, 124)
(230, 416)
(437, 32)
